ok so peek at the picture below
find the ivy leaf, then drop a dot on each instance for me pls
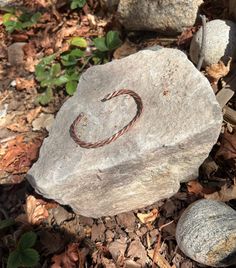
(46, 97)
(48, 59)
(55, 70)
(6, 17)
(27, 240)
(14, 259)
(11, 26)
(6, 223)
(71, 87)
(77, 3)
(113, 40)
(40, 73)
(35, 17)
(100, 44)
(29, 257)
(78, 42)
(60, 80)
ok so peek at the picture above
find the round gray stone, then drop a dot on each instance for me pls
(206, 232)
(220, 42)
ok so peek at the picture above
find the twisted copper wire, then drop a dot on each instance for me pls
(89, 145)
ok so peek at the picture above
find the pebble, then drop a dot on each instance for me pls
(16, 53)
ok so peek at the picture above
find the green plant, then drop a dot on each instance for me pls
(24, 254)
(77, 4)
(105, 45)
(64, 69)
(25, 20)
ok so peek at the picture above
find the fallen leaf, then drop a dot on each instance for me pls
(218, 70)
(19, 126)
(225, 194)
(19, 155)
(32, 114)
(126, 49)
(194, 187)
(137, 252)
(148, 217)
(22, 83)
(67, 259)
(35, 210)
(186, 36)
(228, 146)
(43, 121)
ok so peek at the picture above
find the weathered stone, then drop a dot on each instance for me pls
(180, 123)
(220, 42)
(168, 16)
(206, 232)
(16, 54)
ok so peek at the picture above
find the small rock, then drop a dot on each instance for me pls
(206, 233)
(136, 251)
(85, 220)
(117, 248)
(60, 215)
(126, 220)
(43, 121)
(16, 54)
(220, 42)
(169, 16)
(98, 232)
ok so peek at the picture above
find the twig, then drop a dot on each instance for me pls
(203, 44)
(164, 225)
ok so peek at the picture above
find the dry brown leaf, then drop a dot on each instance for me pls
(67, 259)
(126, 49)
(228, 146)
(22, 83)
(30, 64)
(64, 32)
(186, 36)
(195, 187)
(148, 217)
(159, 259)
(19, 155)
(19, 125)
(225, 194)
(32, 114)
(35, 210)
(218, 70)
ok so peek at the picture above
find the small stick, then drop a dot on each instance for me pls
(203, 45)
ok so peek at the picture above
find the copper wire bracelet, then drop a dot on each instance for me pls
(89, 145)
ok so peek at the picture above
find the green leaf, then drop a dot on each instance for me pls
(60, 80)
(100, 44)
(78, 53)
(14, 259)
(48, 59)
(27, 240)
(71, 87)
(11, 26)
(6, 17)
(35, 17)
(46, 97)
(79, 42)
(77, 3)
(55, 70)
(40, 73)
(29, 257)
(47, 82)
(113, 40)
(6, 223)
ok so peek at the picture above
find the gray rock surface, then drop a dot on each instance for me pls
(169, 16)
(180, 123)
(220, 42)
(206, 232)
(16, 54)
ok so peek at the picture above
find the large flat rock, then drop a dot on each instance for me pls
(167, 16)
(180, 124)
